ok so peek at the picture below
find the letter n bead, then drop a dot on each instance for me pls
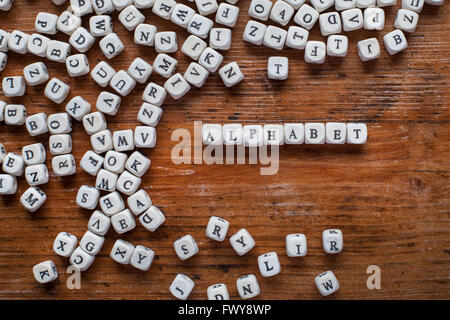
(231, 74)
(248, 286)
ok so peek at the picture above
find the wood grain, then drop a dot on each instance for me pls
(390, 197)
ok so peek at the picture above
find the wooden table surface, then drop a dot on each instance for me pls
(390, 197)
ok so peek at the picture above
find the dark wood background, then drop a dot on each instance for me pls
(390, 197)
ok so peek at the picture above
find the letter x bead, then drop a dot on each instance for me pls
(64, 244)
(122, 251)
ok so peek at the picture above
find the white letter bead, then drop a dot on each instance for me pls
(13, 164)
(341, 5)
(185, 247)
(137, 164)
(106, 181)
(154, 94)
(2, 118)
(332, 241)
(278, 68)
(115, 161)
(91, 243)
(144, 34)
(81, 39)
(64, 244)
(164, 65)
(56, 90)
(374, 19)
(268, 264)
(94, 122)
(8, 184)
(315, 52)
(260, 9)
(395, 42)
(227, 14)
(369, 49)
(253, 135)
(322, 5)
(181, 15)
(352, 19)
(326, 283)
(81, 7)
(163, 8)
(13, 86)
(177, 86)
(330, 23)
(212, 134)
(200, 26)
(140, 70)
(58, 51)
(81, 259)
(18, 41)
(99, 223)
(297, 37)
(152, 219)
(274, 134)
(242, 242)
(336, 132)
(365, 3)
(144, 137)
(406, 20)
(128, 183)
(166, 42)
(193, 47)
(217, 228)
(122, 83)
(108, 103)
(36, 175)
(356, 133)
(314, 133)
(254, 32)
(68, 22)
(181, 287)
(4, 37)
(384, 3)
(281, 12)
(248, 286)
(337, 45)
(413, 5)
(142, 258)
(35, 74)
(6, 5)
(103, 6)
(101, 25)
(45, 272)
(210, 59)
(87, 197)
(102, 73)
(36, 124)
(91, 162)
(275, 37)
(232, 134)
(122, 251)
(296, 4)
(33, 198)
(139, 202)
(77, 65)
(123, 221)
(111, 45)
(218, 292)
(306, 16)
(196, 75)
(150, 114)
(121, 4)
(102, 141)
(33, 154)
(3, 60)
(123, 140)
(59, 123)
(111, 203)
(220, 38)
(130, 17)
(64, 165)
(206, 7)
(15, 114)
(296, 245)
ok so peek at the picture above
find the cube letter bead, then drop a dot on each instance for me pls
(15, 114)
(406, 20)
(130, 17)
(94, 122)
(330, 23)
(13, 164)
(154, 94)
(149, 114)
(60, 144)
(369, 49)
(81, 259)
(115, 161)
(164, 65)
(77, 65)
(242, 242)
(273, 134)
(122, 83)
(248, 286)
(196, 75)
(341, 5)
(81, 40)
(206, 7)
(193, 47)
(217, 228)
(111, 203)
(306, 17)
(177, 86)
(6, 5)
(87, 197)
(314, 133)
(253, 135)
(231, 74)
(337, 45)
(64, 165)
(220, 38)
(365, 3)
(281, 12)
(278, 68)
(212, 134)
(91, 162)
(56, 90)
(163, 8)
(81, 7)
(185, 247)
(100, 25)
(3, 60)
(395, 42)
(36, 175)
(91, 243)
(210, 59)
(99, 223)
(268, 264)
(254, 32)
(374, 19)
(123, 221)
(2, 115)
(36, 124)
(297, 37)
(123, 140)
(315, 52)
(58, 51)
(326, 283)
(181, 287)
(166, 42)
(200, 26)
(59, 123)
(122, 251)
(33, 154)
(356, 133)
(144, 34)
(106, 181)
(45, 272)
(8, 184)
(332, 241)
(108, 103)
(352, 19)
(260, 9)
(142, 258)
(64, 244)
(102, 141)
(144, 137)
(102, 6)
(102, 73)
(137, 164)
(17, 41)
(232, 134)
(68, 22)
(413, 5)
(38, 44)
(296, 245)
(4, 37)
(128, 183)
(35, 74)
(152, 219)
(13, 86)
(140, 70)
(275, 37)
(33, 198)
(218, 292)
(322, 5)
(111, 45)
(181, 15)
(227, 14)
(121, 4)
(139, 202)
(336, 132)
